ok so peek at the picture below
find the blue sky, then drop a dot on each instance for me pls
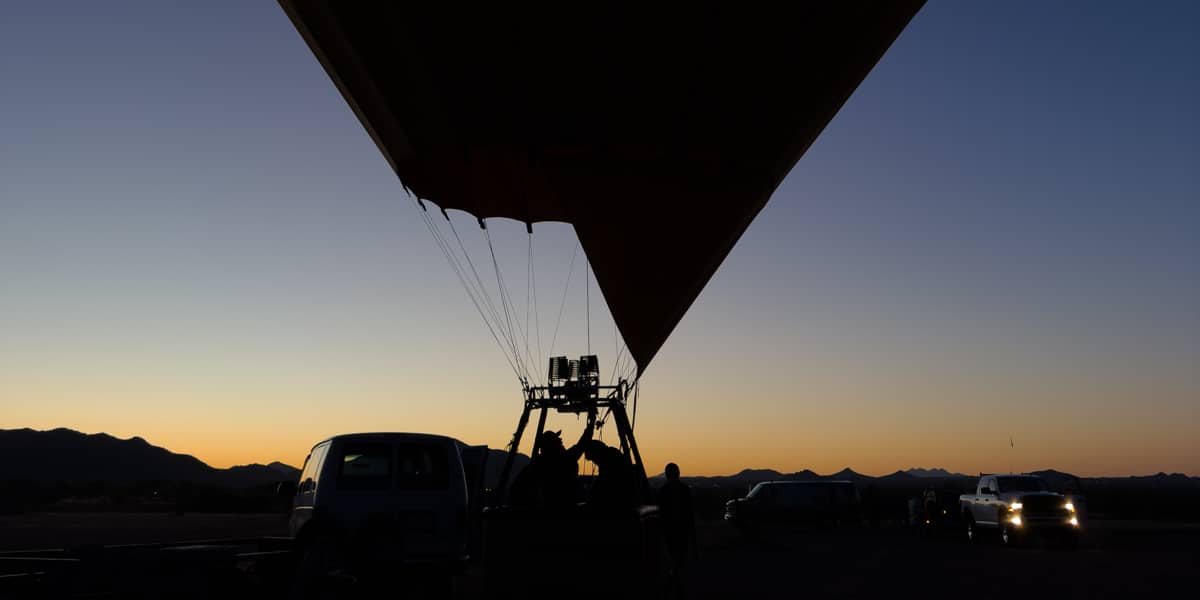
(999, 231)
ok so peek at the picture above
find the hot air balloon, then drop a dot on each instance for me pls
(657, 131)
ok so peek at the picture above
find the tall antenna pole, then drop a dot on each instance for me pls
(1011, 450)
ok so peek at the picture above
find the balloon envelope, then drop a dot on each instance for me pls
(657, 132)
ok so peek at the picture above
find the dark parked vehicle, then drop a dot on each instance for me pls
(935, 512)
(371, 503)
(782, 503)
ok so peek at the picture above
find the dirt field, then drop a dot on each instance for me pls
(37, 531)
(1115, 559)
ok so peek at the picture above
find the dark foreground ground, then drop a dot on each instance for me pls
(36, 531)
(1116, 559)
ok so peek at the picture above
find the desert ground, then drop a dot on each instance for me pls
(1115, 559)
(37, 531)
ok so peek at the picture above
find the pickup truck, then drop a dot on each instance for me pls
(1017, 506)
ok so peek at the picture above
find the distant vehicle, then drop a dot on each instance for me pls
(386, 499)
(781, 503)
(935, 512)
(1017, 506)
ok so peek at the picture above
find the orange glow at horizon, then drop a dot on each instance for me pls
(707, 433)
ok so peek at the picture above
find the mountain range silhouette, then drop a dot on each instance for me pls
(66, 455)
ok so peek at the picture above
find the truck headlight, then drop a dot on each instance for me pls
(1015, 520)
(1016, 506)
(1073, 521)
(1070, 506)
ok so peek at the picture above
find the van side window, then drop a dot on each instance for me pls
(312, 469)
(803, 495)
(843, 495)
(365, 467)
(422, 467)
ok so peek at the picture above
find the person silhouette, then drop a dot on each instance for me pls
(614, 486)
(678, 521)
(930, 502)
(555, 468)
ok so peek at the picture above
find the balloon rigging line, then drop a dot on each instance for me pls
(529, 297)
(480, 287)
(587, 295)
(480, 292)
(509, 334)
(563, 304)
(506, 296)
(457, 268)
(633, 423)
(537, 320)
(503, 296)
(617, 358)
(456, 265)
(505, 331)
(616, 353)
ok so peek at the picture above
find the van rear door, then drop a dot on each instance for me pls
(474, 459)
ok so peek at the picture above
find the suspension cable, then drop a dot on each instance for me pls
(587, 295)
(537, 320)
(532, 365)
(563, 304)
(636, 388)
(508, 333)
(504, 298)
(616, 351)
(457, 268)
(529, 295)
(618, 365)
(482, 289)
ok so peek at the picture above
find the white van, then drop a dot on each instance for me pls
(402, 496)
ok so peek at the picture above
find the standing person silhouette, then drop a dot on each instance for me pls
(679, 522)
(557, 468)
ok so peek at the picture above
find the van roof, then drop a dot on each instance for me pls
(390, 436)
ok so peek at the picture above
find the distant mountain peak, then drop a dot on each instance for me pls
(849, 473)
(934, 472)
(758, 473)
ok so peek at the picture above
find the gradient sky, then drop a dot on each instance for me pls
(998, 234)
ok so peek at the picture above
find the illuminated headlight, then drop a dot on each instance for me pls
(1015, 520)
(1016, 506)
(1073, 521)
(1069, 506)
